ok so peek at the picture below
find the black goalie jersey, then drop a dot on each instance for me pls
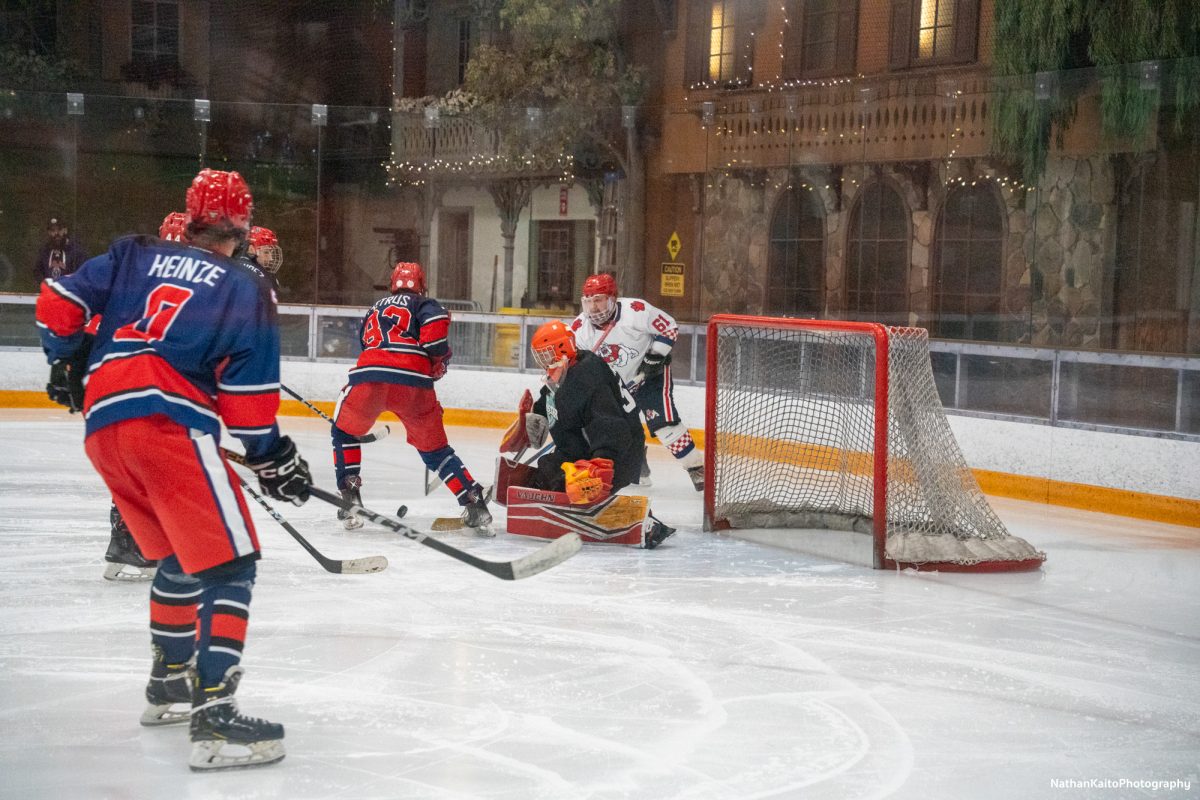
(590, 417)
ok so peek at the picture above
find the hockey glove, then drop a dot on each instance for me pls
(437, 367)
(66, 377)
(588, 481)
(654, 363)
(282, 473)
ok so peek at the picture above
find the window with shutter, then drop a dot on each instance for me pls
(933, 32)
(821, 39)
(155, 30)
(720, 46)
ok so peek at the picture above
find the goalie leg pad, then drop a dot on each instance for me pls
(618, 519)
(510, 473)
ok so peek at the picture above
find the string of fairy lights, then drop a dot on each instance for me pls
(739, 124)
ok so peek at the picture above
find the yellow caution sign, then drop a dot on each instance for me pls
(672, 280)
(674, 245)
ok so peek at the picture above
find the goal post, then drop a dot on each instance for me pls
(825, 425)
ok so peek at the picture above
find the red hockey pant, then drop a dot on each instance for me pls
(175, 490)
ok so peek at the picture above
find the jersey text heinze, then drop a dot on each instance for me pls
(185, 332)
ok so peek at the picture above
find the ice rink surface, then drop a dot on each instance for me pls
(709, 668)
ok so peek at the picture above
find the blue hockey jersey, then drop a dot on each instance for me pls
(185, 332)
(403, 336)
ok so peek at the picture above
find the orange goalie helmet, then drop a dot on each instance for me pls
(553, 348)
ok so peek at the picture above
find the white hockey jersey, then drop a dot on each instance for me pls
(636, 329)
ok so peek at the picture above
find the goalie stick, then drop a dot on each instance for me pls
(378, 432)
(349, 566)
(539, 560)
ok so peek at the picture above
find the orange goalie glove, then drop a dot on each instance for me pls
(588, 481)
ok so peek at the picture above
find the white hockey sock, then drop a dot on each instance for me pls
(677, 439)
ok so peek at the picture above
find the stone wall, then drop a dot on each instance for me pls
(1057, 247)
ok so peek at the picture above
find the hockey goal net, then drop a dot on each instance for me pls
(824, 425)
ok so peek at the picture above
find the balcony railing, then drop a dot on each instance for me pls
(910, 117)
(456, 145)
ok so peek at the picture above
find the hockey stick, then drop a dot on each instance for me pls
(539, 560)
(456, 523)
(378, 432)
(350, 566)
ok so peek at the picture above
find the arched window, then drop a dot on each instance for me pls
(968, 266)
(796, 258)
(877, 257)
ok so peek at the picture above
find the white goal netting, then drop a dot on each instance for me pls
(794, 444)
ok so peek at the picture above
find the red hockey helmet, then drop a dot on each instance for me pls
(264, 246)
(260, 237)
(174, 227)
(217, 199)
(604, 283)
(553, 348)
(600, 298)
(407, 276)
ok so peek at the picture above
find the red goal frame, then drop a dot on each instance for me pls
(881, 337)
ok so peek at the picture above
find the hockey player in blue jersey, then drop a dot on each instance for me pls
(405, 349)
(188, 340)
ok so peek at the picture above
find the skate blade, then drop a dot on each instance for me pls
(166, 714)
(352, 523)
(484, 532)
(127, 572)
(208, 756)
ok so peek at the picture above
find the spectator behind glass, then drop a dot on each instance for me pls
(60, 255)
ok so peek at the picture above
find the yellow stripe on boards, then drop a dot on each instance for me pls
(1138, 505)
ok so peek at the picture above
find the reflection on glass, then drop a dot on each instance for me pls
(1115, 394)
(1006, 385)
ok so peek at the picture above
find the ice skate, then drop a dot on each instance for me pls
(476, 516)
(224, 739)
(125, 561)
(697, 475)
(351, 492)
(655, 533)
(170, 687)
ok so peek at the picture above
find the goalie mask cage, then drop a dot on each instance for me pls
(820, 424)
